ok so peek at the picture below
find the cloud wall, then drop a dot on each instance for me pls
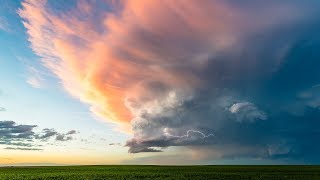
(174, 72)
(103, 61)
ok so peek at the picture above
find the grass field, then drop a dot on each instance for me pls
(162, 172)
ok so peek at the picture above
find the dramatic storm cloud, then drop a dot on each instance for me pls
(218, 74)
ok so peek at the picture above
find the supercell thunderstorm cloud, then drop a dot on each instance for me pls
(240, 78)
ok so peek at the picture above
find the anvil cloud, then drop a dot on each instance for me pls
(187, 73)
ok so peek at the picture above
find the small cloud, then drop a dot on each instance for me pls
(144, 149)
(63, 137)
(4, 25)
(22, 144)
(2, 109)
(34, 78)
(311, 97)
(71, 132)
(23, 149)
(246, 111)
(46, 134)
(115, 144)
(34, 82)
(66, 136)
(35, 75)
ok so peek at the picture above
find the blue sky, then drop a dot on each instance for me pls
(122, 82)
(48, 106)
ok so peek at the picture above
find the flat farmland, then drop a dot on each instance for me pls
(162, 172)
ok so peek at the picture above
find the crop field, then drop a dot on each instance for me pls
(162, 172)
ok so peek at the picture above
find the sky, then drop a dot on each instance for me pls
(159, 82)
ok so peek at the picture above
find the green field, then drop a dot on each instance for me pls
(162, 172)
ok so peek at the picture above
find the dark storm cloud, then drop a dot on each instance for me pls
(236, 78)
(261, 98)
(192, 138)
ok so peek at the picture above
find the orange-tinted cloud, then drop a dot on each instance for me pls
(109, 58)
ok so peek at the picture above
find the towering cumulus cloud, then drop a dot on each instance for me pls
(215, 74)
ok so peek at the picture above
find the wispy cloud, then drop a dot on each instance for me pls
(4, 25)
(34, 77)
(23, 149)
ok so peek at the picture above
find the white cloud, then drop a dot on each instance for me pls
(311, 97)
(34, 78)
(246, 111)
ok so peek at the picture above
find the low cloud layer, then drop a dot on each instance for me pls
(10, 130)
(215, 75)
(191, 138)
(23, 149)
(25, 137)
